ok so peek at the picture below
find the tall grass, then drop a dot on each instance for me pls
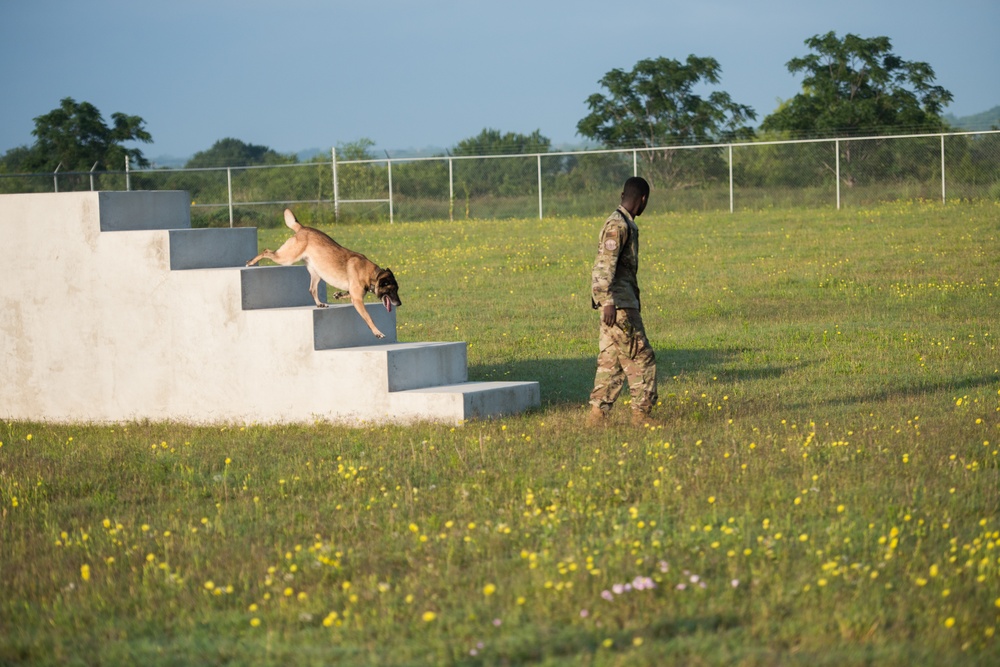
(824, 489)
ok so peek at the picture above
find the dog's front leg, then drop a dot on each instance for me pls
(359, 305)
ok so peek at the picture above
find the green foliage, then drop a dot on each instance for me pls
(493, 142)
(356, 150)
(498, 177)
(856, 86)
(655, 105)
(235, 153)
(828, 471)
(75, 136)
(15, 160)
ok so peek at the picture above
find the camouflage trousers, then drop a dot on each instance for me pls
(625, 353)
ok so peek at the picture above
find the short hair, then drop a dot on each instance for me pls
(636, 187)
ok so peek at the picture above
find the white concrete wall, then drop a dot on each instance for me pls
(96, 327)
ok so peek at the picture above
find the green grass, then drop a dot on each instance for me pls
(824, 490)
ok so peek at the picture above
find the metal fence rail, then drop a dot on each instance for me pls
(854, 171)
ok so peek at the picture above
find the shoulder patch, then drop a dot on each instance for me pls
(611, 244)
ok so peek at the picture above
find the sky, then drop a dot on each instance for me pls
(295, 75)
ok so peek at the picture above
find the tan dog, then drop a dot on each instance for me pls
(337, 266)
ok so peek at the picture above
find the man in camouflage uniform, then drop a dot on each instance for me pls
(624, 349)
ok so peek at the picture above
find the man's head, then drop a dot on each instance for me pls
(635, 194)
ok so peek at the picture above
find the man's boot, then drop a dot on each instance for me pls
(641, 419)
(597, 417)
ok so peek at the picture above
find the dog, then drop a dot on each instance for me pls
(337, 266)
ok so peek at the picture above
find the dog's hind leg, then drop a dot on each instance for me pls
(267, 254)
(314, 285)
(289, 253)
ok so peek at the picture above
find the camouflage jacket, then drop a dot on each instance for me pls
(614, 278)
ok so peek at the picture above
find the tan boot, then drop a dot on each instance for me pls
(597, 417)
(642, 419)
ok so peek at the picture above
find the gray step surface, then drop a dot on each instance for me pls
(277, 287)
(212, 248)
(143, 210)
(416, 365)
(339, 325)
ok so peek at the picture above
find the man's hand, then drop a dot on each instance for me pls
(608, 314)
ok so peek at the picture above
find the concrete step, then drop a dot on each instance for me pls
(130, 211)
(212, 248)
(468, 400)
(218, 344)
(339, 325)
(403, 366)
(277, 287)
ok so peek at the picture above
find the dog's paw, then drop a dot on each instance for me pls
(379, 334)
(339, 295)
(321, 305)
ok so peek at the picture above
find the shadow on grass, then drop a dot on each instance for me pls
(569, 381)
(915, 390)
(551, 645)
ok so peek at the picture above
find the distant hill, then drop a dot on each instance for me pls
(986, 120)
(168, 162)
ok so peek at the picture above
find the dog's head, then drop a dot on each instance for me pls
(387, 289)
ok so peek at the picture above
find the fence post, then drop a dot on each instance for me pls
(128, 174)
(451, 189)
(942, 170)
(229, 187)
(730, 178)
(539, 156)
(92, 176)
(836, 147)
(635, 162)
(336, 193)
(55, 177)
(388, 162)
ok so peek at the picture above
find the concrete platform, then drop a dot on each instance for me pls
(116, 310)
(471, 399)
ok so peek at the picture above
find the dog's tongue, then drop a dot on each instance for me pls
(387, 302)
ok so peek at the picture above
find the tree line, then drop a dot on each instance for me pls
(851, 86)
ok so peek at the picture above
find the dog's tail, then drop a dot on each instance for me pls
(290, 220)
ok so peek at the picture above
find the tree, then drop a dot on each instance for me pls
(356, 150)
(492, 142)
(655, 105)
(856, 86)
(76, 136)
(516, 177)
(235, 153)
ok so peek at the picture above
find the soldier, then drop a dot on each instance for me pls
(624, 349)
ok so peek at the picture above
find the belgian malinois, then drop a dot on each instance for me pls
(339, 267)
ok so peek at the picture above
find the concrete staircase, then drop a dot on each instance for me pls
(120, 311)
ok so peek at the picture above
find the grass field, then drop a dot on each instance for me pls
(824, 491)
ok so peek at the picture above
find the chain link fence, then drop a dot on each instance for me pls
(837, 173)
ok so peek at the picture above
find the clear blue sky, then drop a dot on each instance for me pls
(301, 74)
